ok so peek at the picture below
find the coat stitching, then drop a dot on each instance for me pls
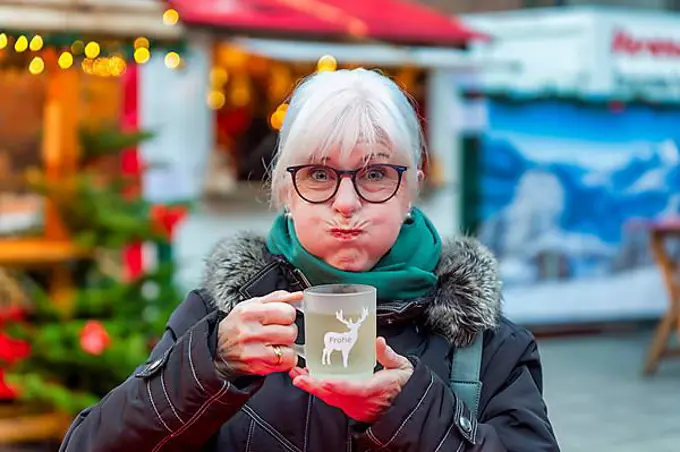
(245, 290)
(191, 362)
(408, 418)
(446, 435)
(372, 437)
(270, 429)
(251, 429)
(194, 418)
(167, 397)
(309, 415)
(153, 404)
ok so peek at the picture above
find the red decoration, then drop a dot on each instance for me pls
(11, 350)
(94, 338)
(131, 163)
(166, 218)
(7, 392)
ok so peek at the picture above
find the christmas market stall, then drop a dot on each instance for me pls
(74, 318)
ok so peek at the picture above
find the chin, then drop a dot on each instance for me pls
(347, 264)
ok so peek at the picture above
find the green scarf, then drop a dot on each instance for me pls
(404, 273)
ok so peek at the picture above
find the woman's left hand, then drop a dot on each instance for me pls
(362, 401)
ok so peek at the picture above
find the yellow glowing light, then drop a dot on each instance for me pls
(326, 63)
(77, 47)
(172, 60)
(36, 66)
(101, 67)
(231, 56)
(142, 55)
(92, 49)
(22, 44)
(36, 43)
(170, 17)
(141, 42)
(117, 66)
(65, 60)
(277, 118)
(218, 77)
(3, 40)
(88, 66)
(216, 100)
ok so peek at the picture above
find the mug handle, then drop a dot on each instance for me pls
(299, 348)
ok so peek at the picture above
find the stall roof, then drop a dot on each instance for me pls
(395, 21)
(119, 18)
(371, 54)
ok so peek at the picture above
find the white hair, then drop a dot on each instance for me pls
(339, 110)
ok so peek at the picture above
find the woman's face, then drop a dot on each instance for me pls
(348, 232)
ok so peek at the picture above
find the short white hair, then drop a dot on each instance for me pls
(337, 111)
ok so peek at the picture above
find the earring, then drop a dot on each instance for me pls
(409, 217)
(287, 214)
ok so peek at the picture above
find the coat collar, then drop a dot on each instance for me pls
(466, 300)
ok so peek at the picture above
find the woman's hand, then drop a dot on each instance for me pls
(361, 401)
(255, 338)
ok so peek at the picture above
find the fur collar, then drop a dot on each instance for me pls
(467, 298)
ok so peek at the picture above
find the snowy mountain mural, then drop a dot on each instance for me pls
(561, 182)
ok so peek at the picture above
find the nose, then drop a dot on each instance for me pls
(346, 200)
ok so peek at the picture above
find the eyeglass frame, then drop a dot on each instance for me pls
(293, 170)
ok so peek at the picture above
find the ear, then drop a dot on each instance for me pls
(421, 179)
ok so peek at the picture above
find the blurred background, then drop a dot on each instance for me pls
(134, 134)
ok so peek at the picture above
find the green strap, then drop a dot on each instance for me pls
(465, 368)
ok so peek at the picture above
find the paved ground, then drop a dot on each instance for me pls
(599, 402)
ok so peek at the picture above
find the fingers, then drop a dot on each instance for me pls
(297, 371)
(388, 357)
(312, 386)
(282, 296)
(276, 334)
(273, 313)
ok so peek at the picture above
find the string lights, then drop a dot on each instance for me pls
(277, 118)
(326, 63)
(102, 57)
(170, 17)
(36, 66)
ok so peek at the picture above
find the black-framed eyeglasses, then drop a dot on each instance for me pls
(375, 183)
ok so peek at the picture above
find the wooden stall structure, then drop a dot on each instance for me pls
(669, 265)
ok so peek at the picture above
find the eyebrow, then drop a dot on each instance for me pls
(384, 155)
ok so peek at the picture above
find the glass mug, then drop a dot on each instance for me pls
(340, 331)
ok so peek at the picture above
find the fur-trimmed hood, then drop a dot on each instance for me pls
(467, 298)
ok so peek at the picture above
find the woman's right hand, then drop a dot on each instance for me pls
(249, 336)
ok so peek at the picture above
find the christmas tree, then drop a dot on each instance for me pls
(68, 359)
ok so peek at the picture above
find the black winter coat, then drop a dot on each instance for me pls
(177, 401)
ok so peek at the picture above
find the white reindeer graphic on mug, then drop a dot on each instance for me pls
(342, 342)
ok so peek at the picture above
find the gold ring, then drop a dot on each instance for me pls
(278, 353)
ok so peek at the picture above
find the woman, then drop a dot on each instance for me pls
(225, 377)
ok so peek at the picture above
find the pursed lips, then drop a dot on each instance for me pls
(346, 233)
